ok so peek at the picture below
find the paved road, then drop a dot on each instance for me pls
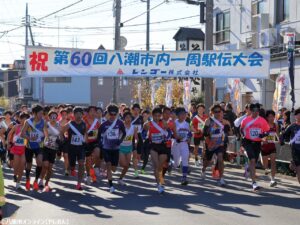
(202, 202)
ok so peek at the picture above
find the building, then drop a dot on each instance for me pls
(242, 24)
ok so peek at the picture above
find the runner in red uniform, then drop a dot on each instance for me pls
(254, 128)
(197, 126)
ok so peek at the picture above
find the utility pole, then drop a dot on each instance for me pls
(148, 27)
(209, 45)
(117, 8)
(26, 27)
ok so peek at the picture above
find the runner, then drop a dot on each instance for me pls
(197, 128)
(92, 154)
(293, 133)
(51, 146)
(126, 146)
(64, 143)
(137, 121)
(100, 165)
(76, 141)
(33, 131)
(17, 147)
(268, 148)
(158, 134)
(216, 132)
(112, 134)
(253, 128)
(180, 148)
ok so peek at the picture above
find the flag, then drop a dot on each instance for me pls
(186, 93)
(280, 94)
(169, 90)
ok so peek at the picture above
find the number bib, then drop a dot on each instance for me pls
(254, 133)
(271, 137)
(35, 136)
(51, 142)
(113, 134)
(200, 126)
(76, 140)
(182, 134)
(157, 138)
(18, 141)
(93, 135)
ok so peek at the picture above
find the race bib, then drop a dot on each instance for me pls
(51, 142)
(34, 136)
(113, 134)
(182, 134)
(18, 141)
(157, 138)
(254, 133)
(76, 140)
(92, 135)
(271, 137)
(200, 126)
(139, 128)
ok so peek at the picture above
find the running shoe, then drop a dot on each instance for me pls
(197, 163)
(121, 182)
(143, 172)
(66, 173)
(27, 185)
(112, 189)
(93, 175)
(160, 189)
(15, 178)
(184, 181)
(255, 187)
(136, 174)
(222, 182)
(78, 187)
(41, 184)
(273, 183)
(18, 186)
(35, 186)
(47, 189)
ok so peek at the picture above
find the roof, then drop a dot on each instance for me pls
(185, 33)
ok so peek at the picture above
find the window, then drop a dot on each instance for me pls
(283, 10)
(257, 7)
(100, 81)
(57, 79)
(223, 27)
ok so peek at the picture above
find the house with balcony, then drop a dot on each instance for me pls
(243, 24)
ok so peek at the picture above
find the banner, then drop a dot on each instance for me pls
(57, 62)
(169, 91)
(235, 95)
(186, 94)
(280, 94)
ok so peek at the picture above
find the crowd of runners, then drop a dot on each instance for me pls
(93, 142)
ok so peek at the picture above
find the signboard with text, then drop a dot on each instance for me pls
(56, 62)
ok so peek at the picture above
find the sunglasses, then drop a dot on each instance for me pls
(217, 111)
(112, 114)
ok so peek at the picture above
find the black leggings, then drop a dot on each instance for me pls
(146, 153)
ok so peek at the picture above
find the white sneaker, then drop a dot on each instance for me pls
(121, 182)
(197, 163)
(222, 182)
(41, 183)
(112, 189)
(18, 186)
(88, 180)
(255, 186)
(273, 183)
(160, 189)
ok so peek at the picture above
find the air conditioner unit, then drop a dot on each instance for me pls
(268, 38)
(242, 45)
(260, 22)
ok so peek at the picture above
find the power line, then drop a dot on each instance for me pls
(145, 12)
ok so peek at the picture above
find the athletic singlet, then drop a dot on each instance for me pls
(33, 134)
(252, 132)
(198, 125)
(155, 136)
(73, 138)
(17, 140)
(138, 122)
(53, 134)
(271, 138)
(92, 135)
(216, 136)
(182, 130)
(127, 142)
(171, 126)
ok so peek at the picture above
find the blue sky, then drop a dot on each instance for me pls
(99, 15)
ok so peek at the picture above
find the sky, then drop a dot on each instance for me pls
(93, 26)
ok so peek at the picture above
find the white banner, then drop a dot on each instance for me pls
(169, 91)
(186, 94)
(56, 62)
(281, 92)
